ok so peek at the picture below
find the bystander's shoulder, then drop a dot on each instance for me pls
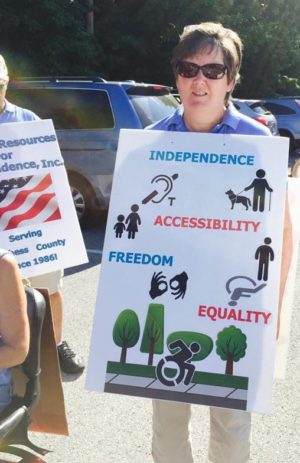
(14, 113)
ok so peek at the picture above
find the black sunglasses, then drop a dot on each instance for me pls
(210, 71)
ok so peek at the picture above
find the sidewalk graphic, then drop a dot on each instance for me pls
(38, 221)
(188, 293)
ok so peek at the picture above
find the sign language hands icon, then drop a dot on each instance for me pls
(158, 285)
(178, 284)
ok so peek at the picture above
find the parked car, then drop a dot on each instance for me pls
(287, 112)
(254, 109)
(257, 110)
(88, 114)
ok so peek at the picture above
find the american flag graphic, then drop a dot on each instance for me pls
(27, 201)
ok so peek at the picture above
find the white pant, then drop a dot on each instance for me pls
(229, 434)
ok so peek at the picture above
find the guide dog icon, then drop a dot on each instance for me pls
(238, 199)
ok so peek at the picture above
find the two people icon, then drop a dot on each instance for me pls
(182, 360)
(133, 220)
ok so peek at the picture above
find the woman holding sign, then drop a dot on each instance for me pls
(206, 64)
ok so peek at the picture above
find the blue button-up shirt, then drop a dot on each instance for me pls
(233, 122)
(13, 113)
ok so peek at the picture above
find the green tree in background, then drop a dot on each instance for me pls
(270, 33)
(231, 346)
(126, 331)
(46, 37)
(133, 39)
(153, 335)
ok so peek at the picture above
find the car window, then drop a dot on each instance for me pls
(279, 109)
(153, 108)
(258, 108)
(69, 109)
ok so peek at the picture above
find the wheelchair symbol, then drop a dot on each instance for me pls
(181, 361)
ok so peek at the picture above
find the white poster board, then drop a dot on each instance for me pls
(188, 294)
(38, 221)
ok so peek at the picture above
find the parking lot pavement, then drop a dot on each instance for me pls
(110, 428)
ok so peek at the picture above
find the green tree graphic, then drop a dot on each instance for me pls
(153, 336)
(231, 346)
(205, 342)
(126, 331)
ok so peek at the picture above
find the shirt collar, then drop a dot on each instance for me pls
(231, 119)
(177, 121)
(9, 107)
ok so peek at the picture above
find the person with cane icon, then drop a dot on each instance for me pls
(260, 185)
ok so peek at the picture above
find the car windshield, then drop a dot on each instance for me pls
(259, 109)
(153, 108)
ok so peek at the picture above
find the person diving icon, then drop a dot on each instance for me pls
(236, 287)
(259, 186)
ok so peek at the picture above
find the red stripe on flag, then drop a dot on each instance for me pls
(37, 207)
(21, 197)
(55, 216)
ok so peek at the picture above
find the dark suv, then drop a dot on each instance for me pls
(287, 113)
(88, 114)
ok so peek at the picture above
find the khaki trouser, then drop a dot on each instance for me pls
(229, 434)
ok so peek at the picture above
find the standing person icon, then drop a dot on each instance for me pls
(259, 185)
(119, 226)
(133, 221)
(264, 254)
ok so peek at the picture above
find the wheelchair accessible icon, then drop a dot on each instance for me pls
(181, 360)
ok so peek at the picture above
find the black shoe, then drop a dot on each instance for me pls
(69, 361)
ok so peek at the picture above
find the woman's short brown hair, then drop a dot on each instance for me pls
(203, 36)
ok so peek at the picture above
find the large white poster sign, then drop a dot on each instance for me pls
(188, 294)
(38, 222)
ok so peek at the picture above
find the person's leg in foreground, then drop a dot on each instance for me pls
(170, 441)
(229, 436)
